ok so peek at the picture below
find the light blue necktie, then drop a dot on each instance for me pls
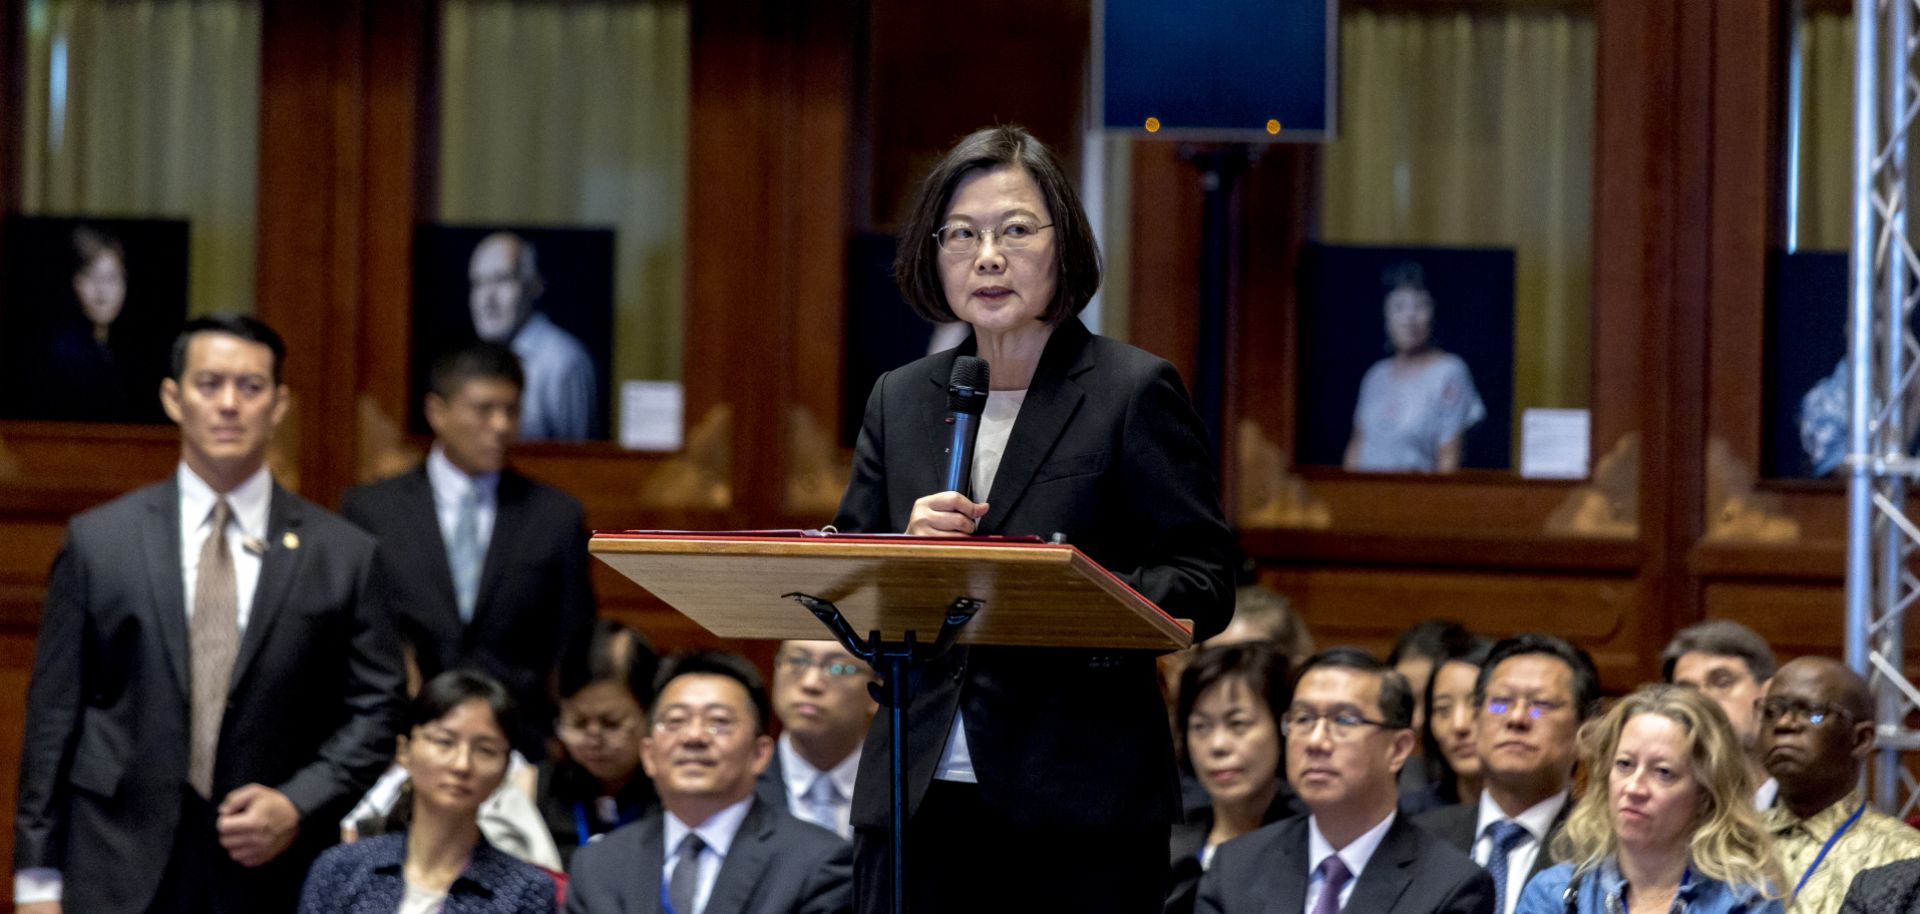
(1333, 877)
(464, 554)
(1506, 835)
(821, 803)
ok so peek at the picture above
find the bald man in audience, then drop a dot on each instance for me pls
(1816, 729)
(820, 695)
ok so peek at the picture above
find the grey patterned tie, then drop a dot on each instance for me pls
(463, 554)
(213, 635)
(1507, 835)
(686, 875)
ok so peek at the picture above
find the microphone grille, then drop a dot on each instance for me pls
(967, 386)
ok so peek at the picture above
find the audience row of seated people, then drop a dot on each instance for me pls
(549, 759)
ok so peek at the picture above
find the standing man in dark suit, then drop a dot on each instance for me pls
(1348, 734)
(506, 605)
(713, 847)
(1533, 694)
(212, 688)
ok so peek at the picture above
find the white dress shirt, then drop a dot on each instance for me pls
(989, 445)
(717, 833)
(1355, 855)
(450, 486)
(800, 776)
(1537, 820)
(246, 542)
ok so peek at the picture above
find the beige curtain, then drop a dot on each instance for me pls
(1475, 128)
(577, 114)
(149, 108)
(1824, 191)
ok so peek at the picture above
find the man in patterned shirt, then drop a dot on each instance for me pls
(1816, 729)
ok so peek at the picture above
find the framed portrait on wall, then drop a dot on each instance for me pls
(91, 307)
(545, 292)
(1406, 358)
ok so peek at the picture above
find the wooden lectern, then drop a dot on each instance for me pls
(1013, 592)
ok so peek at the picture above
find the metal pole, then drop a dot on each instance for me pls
(1860, 350)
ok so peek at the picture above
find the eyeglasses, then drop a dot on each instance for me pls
(1013, 234)
(444, 747)
(799, 664)
(1502, 705)
(1341, 725)
(1813, 713)
(676, 724)
(596, 727)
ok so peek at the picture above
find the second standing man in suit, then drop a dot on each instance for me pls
(505, 605)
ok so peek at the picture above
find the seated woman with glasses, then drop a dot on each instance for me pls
(455, 754)
(1228, 731)
(1667, 820)
(606, 685)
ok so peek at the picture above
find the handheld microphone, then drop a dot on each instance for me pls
(966, 400)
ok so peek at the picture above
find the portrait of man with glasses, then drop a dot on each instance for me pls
(1533, 694)
(1349, 730)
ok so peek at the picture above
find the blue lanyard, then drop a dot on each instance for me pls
(1831, 841)
(585, 831)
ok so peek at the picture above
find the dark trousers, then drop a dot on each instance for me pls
(201, 879)
(964, 857)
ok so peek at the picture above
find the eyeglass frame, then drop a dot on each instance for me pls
(982, 234)
(668, 725)
(1804, 711)
(1536, 708)
(800, 664)
(1340, 731)
(598, 728)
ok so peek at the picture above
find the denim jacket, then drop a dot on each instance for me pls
(1603, 891)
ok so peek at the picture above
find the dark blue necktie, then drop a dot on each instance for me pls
(1506, 835)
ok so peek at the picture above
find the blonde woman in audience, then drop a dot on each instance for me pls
(1667, 820)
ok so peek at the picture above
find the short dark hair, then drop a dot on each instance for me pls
(1428, 639)
(1258, 664)
(474, 361)
(1076, 256)
(453, 688)
(612, 652)
(1586, 679)
(720, 663)
(1396, 696)
(1726, 638)
(245, 326)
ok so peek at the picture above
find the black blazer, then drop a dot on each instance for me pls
(535, 592)
(1456, 826)
(1890, 889)
(777, 865)
(1411, 872)
(1108, 451)
(314, 703)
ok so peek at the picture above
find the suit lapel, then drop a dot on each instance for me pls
(1290, 876)
(1542, 859)
(746, 861)
(278, 569)
(161, 536)
(420, 514)
(1387, 874)
(1052, 399)
(509, 510)
(650, 861)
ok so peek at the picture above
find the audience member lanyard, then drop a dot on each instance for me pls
(1831, 841)
(586, 832)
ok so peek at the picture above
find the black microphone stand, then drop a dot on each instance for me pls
(900, 657)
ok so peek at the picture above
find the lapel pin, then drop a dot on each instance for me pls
(253, 546)
(290, 539)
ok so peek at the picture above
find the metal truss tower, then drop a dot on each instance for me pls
(1884, 385)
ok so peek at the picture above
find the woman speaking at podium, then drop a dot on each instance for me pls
(1030, 766)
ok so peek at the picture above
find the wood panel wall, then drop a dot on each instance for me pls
(812, 119)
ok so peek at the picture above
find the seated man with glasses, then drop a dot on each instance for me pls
(713, 846)
(1732, 664)
(1816, 728)
(1533, 694)
(1349, 731)
(820, 695)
